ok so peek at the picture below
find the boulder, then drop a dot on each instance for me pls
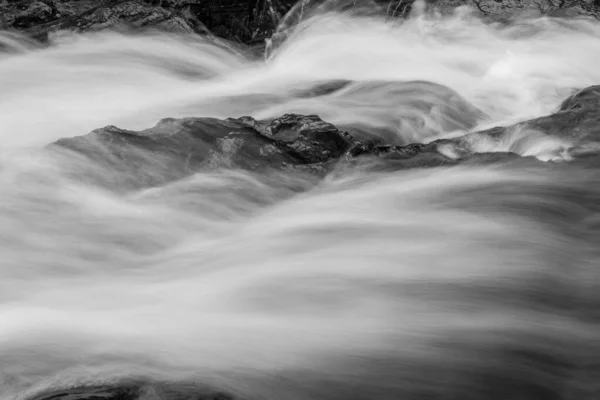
(569, 134)
(176, 148)
(572, 132)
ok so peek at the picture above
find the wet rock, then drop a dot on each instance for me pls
(238, 20)
(43, 17)
(586, 98)
(175, 3)
(443, 152)
(507, 10)
(310, 137)
(251, 150)
(172, 149)
(61, 9)
(24, 14)
(127, 392)
(176, 148)
(32, 14)
(136, 391)
(571, 132)
(244, 21)
(388, 151)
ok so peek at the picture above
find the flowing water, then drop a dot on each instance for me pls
(445, 283)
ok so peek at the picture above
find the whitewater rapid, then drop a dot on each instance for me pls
(459, 280)
(82, 82)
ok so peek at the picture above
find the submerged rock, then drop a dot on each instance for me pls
(176, 148)
(571, 132)
(407, 111)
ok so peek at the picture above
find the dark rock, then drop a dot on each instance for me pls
(388, 151)
(312, 138)
(252, 151)
(35, 13)
(508, 10)
(175, 148)
(172, 149)
(121, 392)
(23, 14)
(417, 155)
(586, 98)
(248, 22)
(61, 9)
(574, 127)
(136, 391)
(572, 132)
(175, 3)
(40, 18)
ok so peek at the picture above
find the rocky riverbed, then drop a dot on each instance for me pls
(373, 208)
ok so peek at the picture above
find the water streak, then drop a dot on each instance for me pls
(364, 285)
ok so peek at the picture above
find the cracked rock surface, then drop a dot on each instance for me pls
(507, 10)
(43, 17)
(39, 18)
